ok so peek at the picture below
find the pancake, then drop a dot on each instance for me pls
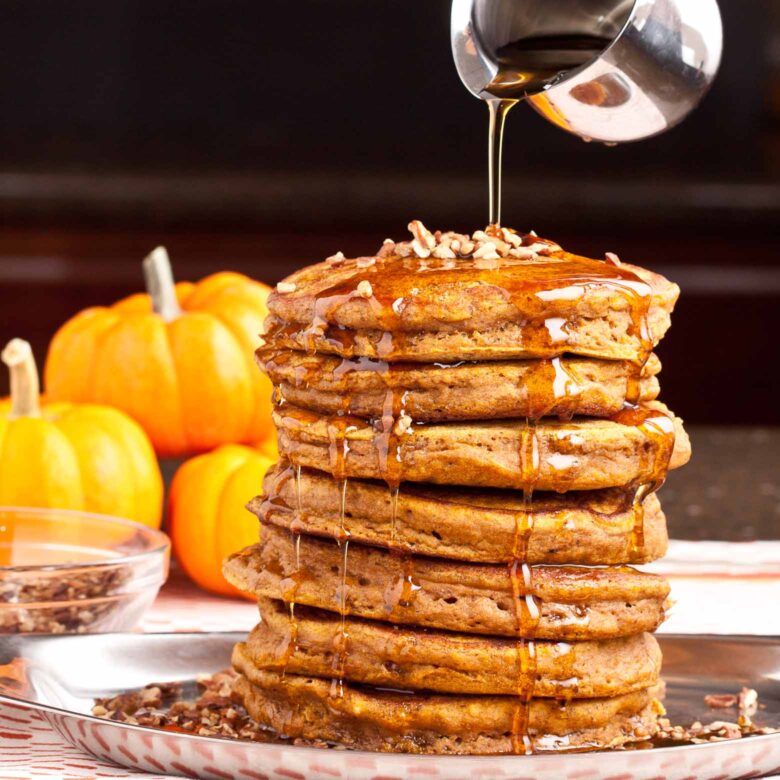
(465, 390)
(553, 602)
(426, 660)
(364, 718)
(478, 525)
(400, 306)
(583, 454)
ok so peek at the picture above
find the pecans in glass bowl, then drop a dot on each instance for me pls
(66, 572)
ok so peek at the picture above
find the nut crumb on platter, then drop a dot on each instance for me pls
(158, 705)
(746, 704)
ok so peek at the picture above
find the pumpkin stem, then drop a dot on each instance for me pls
(25, 389)
(159, 284)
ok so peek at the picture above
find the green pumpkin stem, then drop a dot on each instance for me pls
(159, 284)
(25, 388)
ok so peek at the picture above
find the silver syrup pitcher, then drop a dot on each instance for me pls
(605, 70)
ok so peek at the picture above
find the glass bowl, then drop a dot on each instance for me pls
(68, 572)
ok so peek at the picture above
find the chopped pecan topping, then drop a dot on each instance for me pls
(364, 289)
(424, 241)
(491, 243)
(486, 251)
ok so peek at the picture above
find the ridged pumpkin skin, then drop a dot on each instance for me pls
(190, 381)
(207, 514)
(84, 457)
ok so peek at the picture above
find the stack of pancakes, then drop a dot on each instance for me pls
(471, 447)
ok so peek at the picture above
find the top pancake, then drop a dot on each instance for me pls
(511, 297)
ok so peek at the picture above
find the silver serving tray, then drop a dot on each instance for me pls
(63, 675)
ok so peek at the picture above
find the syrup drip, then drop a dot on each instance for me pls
(387, 441)
(658, 430)
(277, 397)
(565, 388)
(394, 495)
(527, 607)
(498, 110)
(341, 645)
(291, 584)
(634, 379)
(338, 444)
(528, 613)
(273, 500)
(290, 595)
(338, 450)
(318, 326)
(409, 586)
(568, 680)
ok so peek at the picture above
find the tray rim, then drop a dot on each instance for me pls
(315, 751)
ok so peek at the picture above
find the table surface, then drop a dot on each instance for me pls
(730, 489)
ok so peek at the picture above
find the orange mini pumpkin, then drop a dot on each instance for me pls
(71, 456)
(207, 511)
(179, 360)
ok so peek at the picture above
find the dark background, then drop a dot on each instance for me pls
(262, 136)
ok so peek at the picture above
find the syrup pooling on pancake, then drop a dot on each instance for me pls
(534, 281)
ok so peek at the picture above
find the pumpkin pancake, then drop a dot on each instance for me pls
(532, 300)
(436, 392)
(562, 603)
(478, 525)
(427, 660)
(633, 447)
(306, 708)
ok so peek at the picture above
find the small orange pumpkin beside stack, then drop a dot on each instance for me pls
(207, 511)
(178, 359)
